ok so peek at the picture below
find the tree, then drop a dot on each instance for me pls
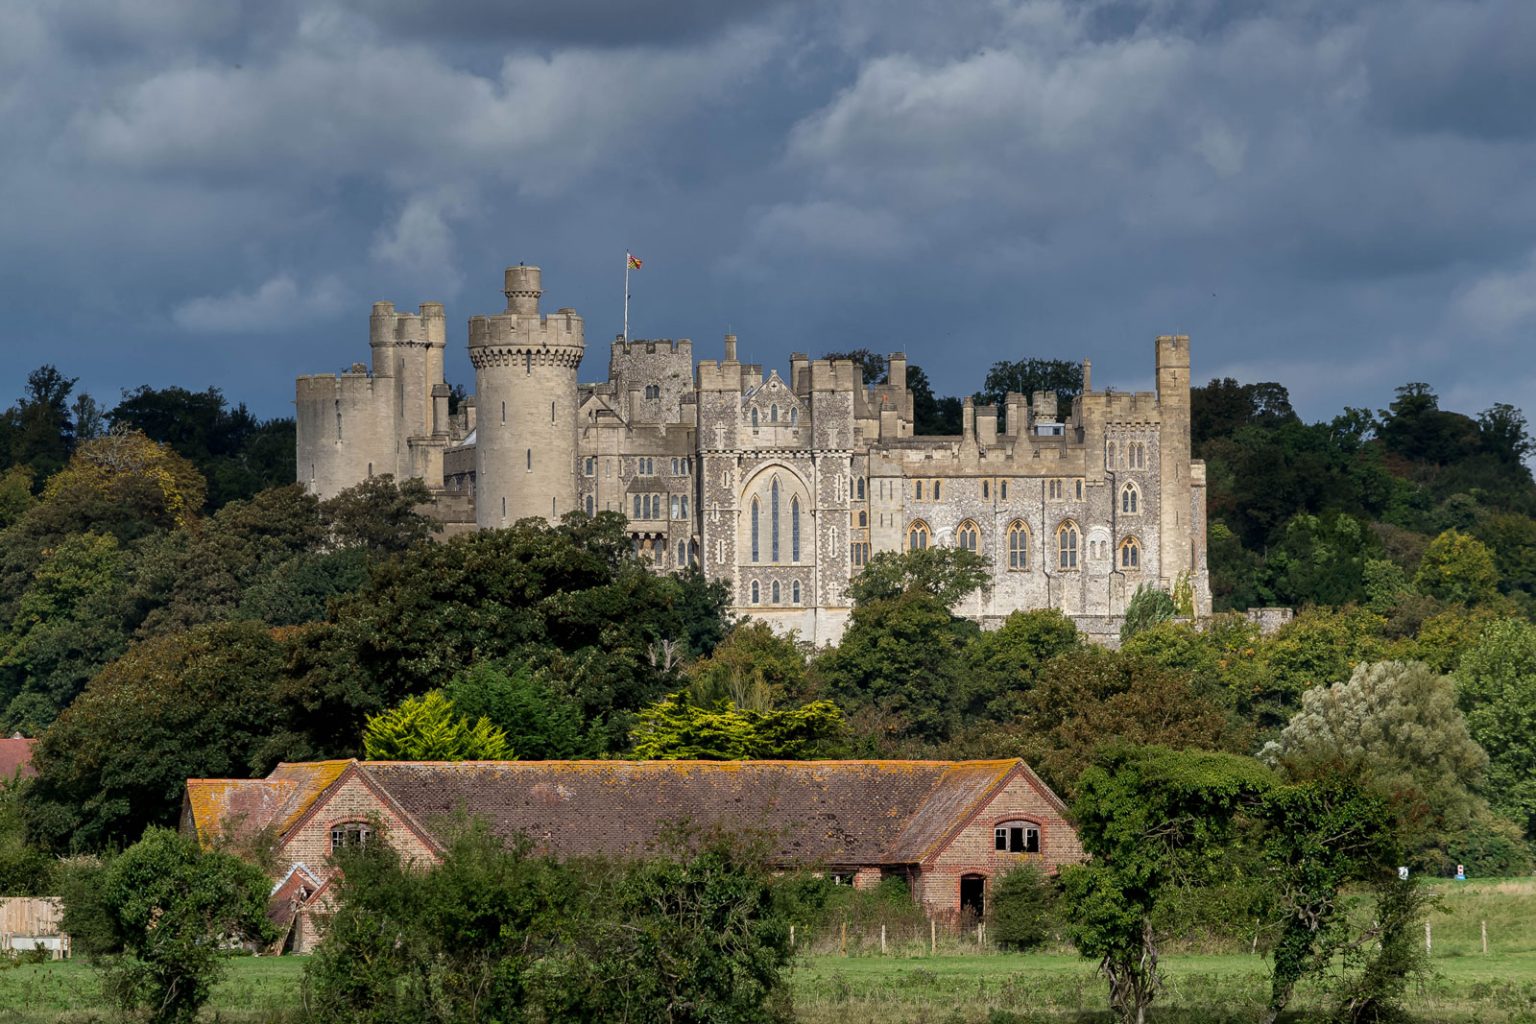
(675, 729)
(1396, 724)
(25, 870)
(752, 668)
(41, 432)
(540, 722)
(949, 574)
(1027, 376)
(1156, 823)
(1497, 683)
(930, 414)
(871, 364)
(1148, 607)
(1504, 433)
(1458, 567)
(427, 728)
(380, 514)
(161, 910)
(1319, 560)
(1022, 910)
(1002, 664)
(207, 703)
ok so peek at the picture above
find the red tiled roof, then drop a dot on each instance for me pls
(250, 805)
(812, 812)
(16, 758)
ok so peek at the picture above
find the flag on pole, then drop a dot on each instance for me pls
(635, 263)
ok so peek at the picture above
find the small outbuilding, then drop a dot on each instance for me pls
(947, 827)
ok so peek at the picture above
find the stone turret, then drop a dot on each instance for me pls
(1177, 555)
(525, 393)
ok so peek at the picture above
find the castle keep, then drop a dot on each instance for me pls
(783, 487)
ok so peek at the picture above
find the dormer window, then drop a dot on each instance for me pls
(1016, 837)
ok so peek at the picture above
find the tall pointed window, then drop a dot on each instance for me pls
(794, 416)
(776, 592)
(757, 593)
(1130, 499)
(1067, 541)
(918, 535)
(794, 529)
(754, 419)
(1018, 545)
(773, 414)
(757, 515)
(773, 520)
(860, 488)
(1109, 455)
(968, 536)
(1130, 553)
(794, 592)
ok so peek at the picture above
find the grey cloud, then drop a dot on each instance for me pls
(606, 23)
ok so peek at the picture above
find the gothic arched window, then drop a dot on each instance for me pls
(1018, 545)
(773, 521)
(1130, 499)
(773, 414)
(777, 599)
(918, 535)
(968, 536)
(590, 504)
(756, 593)
(1067, 541)
(1130, 553)
(754, 419)
(794, 592)
(860, 488)
(757, 512)
(794, 529)
(794, 416)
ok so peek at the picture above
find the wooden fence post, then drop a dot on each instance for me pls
(791, 936)
(933, 937)
(882, 940)
(842, 944)
(1429, 939)
(1485, 938)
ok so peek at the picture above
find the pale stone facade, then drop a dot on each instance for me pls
(783, 487)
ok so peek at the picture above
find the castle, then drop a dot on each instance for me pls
(781, 487)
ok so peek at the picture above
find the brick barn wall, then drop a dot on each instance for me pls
(971, 852)
(352, 801)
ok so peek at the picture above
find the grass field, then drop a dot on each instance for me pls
(960, 985)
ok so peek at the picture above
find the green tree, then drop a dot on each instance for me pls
(208, 703)
(1004, 663)
(871, 364)
(156, 917)
(380, 514)
(753, 667)
(428, 728)
(948, 574)
(39, 427)
(1147, 607)
(1397, 725)
(15, 494)
(1458, 567)
(1027, 376)
(675, 728)
(1156, 823)
(1497, 683)
(1022, 910)
(1319, 560)
(540, 722)
(25, 870)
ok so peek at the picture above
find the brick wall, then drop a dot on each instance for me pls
(351, 801)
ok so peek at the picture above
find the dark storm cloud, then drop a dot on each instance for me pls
(1336, 195)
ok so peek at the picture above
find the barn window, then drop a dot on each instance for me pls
(1016, 837)
(350, 833)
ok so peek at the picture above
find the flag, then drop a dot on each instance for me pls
(635, 263)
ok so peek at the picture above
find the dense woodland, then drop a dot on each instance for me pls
(172, 606)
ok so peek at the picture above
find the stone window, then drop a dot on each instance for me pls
(528, 362)
(1002, 489)
(350, 833)
(773, 414)
(757, 515)
(968, 536)
(551, 412)
(858, 553)
(529, 455)
(591, 503)
(794, 416)
(1130, 553)
(1109, 455)
(773, 521)
(1053, 490)
(863, 519)
(756, 593)
(1130, 499)
(860, 488)
(777, 599)
(794, 529)
(1068, 539)
(637, 508)
(1078, 489)
(794, 591)
(645, 467)
(918, 490)
(675, 509)
(754, 419)
(986, 490)
(1016, 837)
(918, 535)
(653, 391)
(1018, 545)
(1136, 455)
(936, 490)
(589, 465)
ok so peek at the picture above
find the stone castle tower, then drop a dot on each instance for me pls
(525, 397)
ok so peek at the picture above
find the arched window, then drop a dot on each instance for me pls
(590, 504)
(918, 535)
(1018, 545)
(1078, 489)
(757, 511)
(936, 490)
(860, 488)
(794, 529)
(528, 362)
(1067, 540)
(1130, 499)
(986, 490)
(1109, 455)
(863, 519)
(754, 419)
(919, 490)
(1130, 553)
(968, 536)
(637, 507)
(350, 833)
(1002, 490)
(776, 598)
(794, 416)
(773, 521)
(773, 414)
(794, 592)
(1016, 837)
(756, 593)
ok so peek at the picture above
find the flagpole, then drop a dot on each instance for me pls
(626, 296)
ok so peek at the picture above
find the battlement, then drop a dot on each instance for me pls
(676, 347)
(527, 331)
(427, 326)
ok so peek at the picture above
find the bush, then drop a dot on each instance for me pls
(1023, 908)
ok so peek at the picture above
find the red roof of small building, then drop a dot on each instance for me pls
(831, 813)
(16, 758)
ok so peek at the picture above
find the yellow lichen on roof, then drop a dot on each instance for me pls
(312, 779)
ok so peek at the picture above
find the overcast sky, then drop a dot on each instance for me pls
(1337, 195)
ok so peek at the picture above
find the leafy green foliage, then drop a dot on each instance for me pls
(1027, 376)
(492, 933)
(676, 728)
(152, 919)
(1147, 607)
(380, 515)
(1497, 693)
(753, 667)
(429, 728)
(25, 870)
(1002, 664)
(540, 722)
(1022, 908)
(948, 574)
(1458, 568)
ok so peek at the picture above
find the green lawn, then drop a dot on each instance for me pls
(960, 985)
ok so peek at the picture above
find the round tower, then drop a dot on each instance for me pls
(525, 398)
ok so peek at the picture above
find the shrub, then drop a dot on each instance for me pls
(1023, 908)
